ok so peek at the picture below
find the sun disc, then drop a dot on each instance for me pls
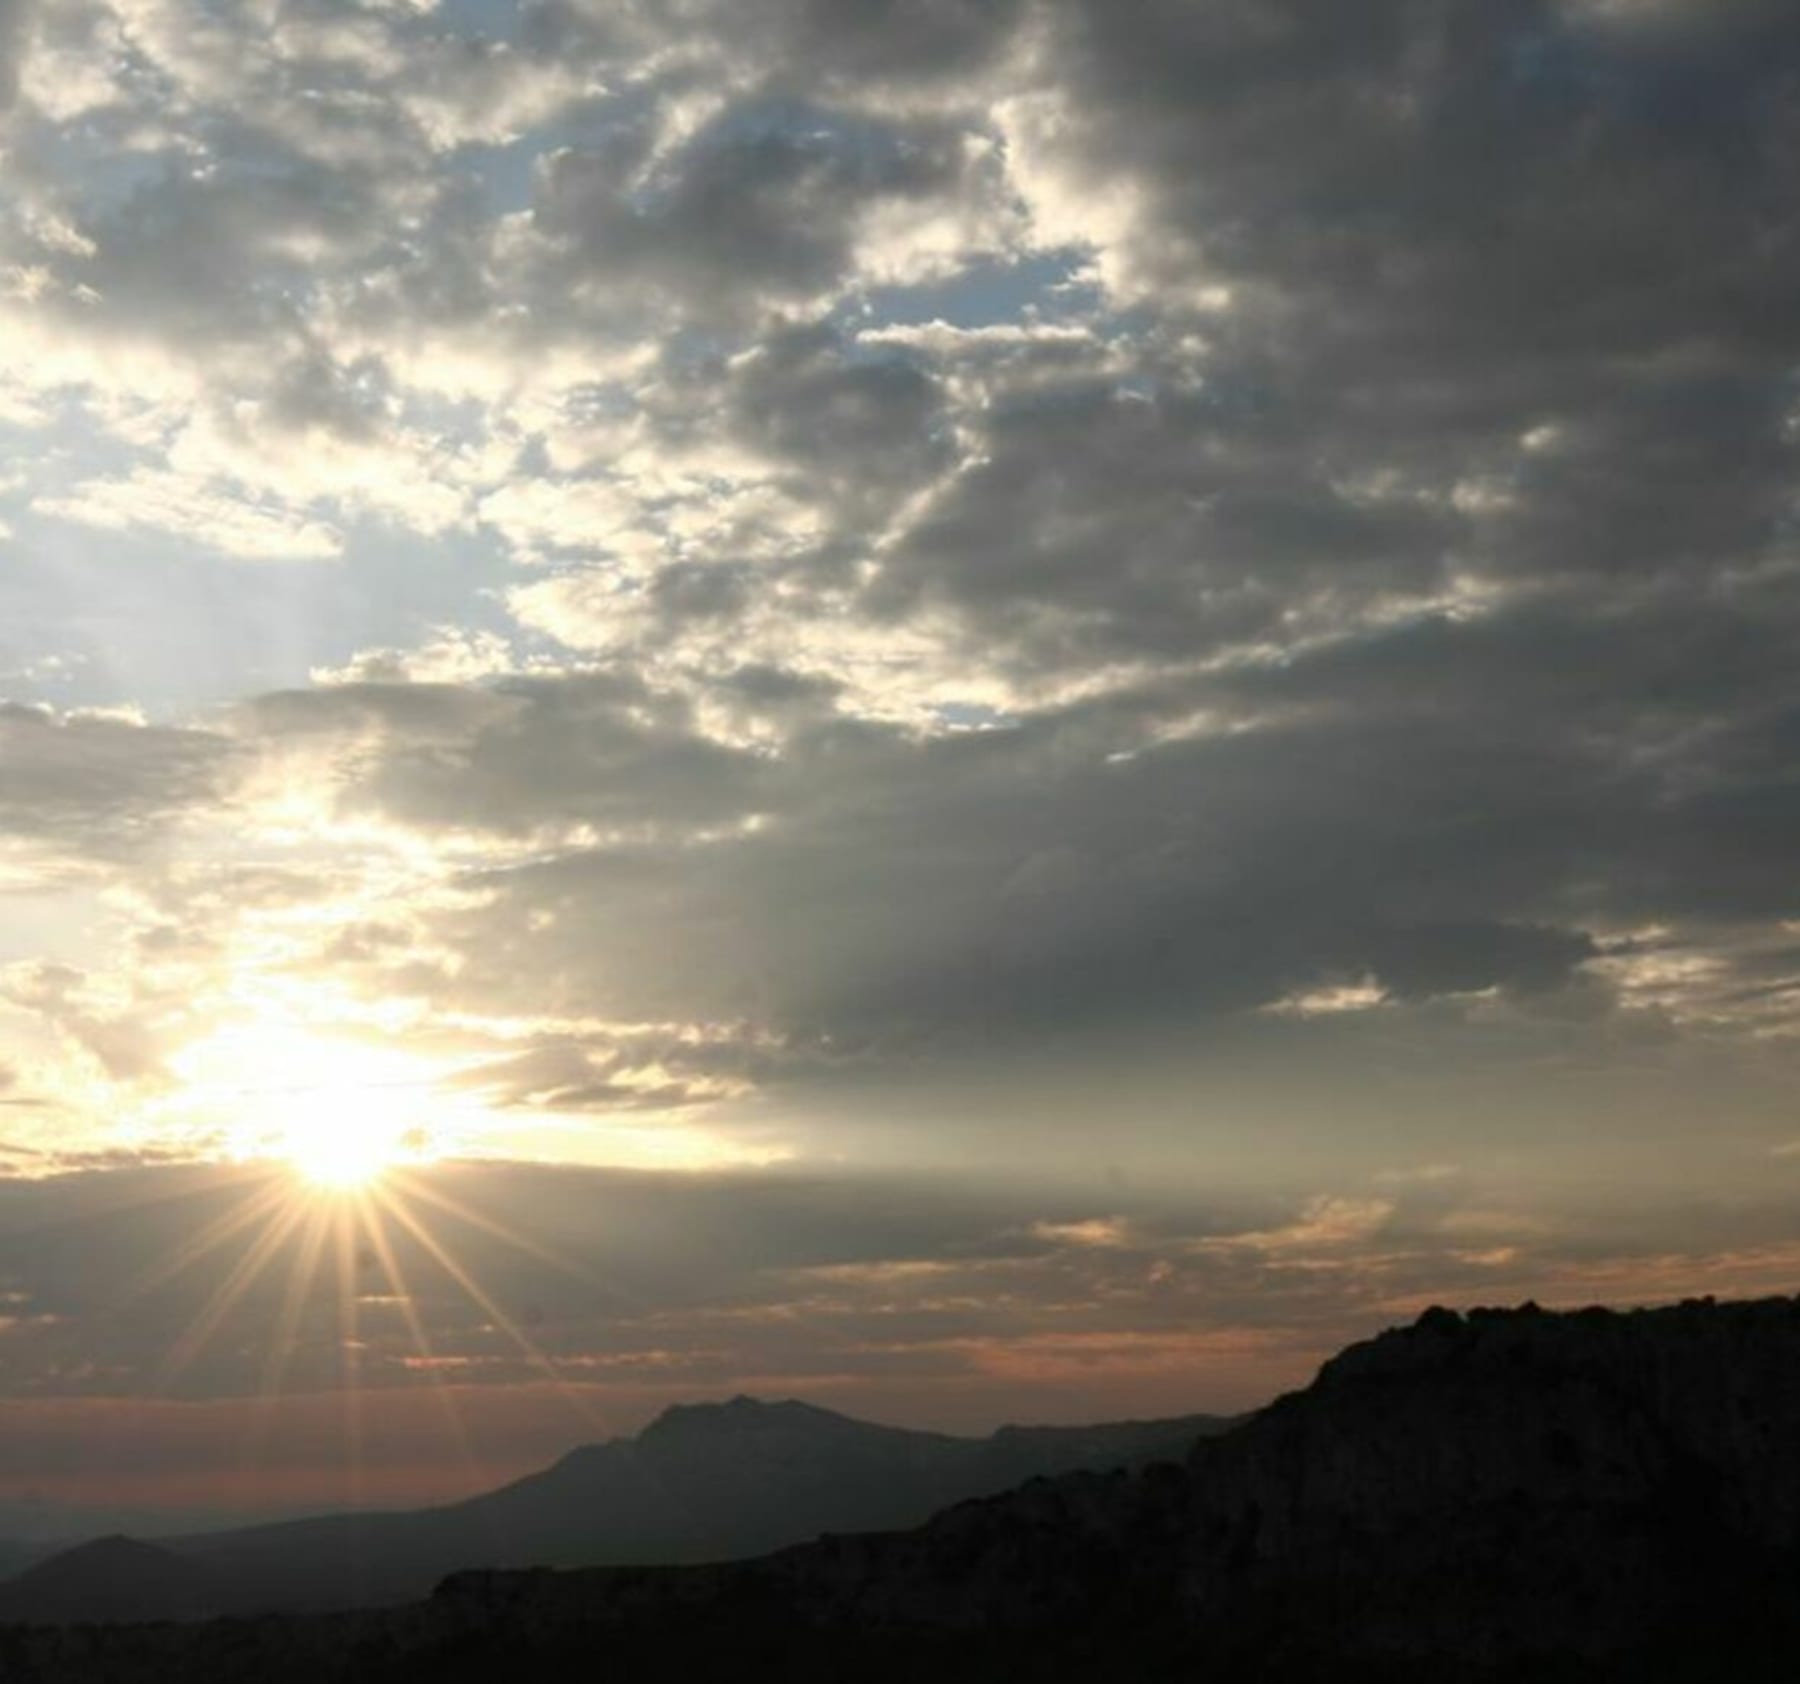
(340, 1155)
(336, 1113)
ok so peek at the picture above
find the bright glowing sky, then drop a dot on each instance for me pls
(1012, 707)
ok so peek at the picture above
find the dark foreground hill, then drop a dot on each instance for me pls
(703, 1482)
(1503, 1496)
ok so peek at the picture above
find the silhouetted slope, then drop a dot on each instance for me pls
(16, 1554)
(1515, 1490)
(114, 1579)
(703, 1482)
(1511, 1484)
(1502, 1496)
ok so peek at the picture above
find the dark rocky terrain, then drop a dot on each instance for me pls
(703, 1482)
(1507, 1495)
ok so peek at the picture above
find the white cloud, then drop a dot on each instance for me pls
(204, 510)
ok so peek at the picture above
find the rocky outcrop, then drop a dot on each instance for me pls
(1515, 1483)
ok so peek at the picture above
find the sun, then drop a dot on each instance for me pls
(355, 1118)
(338, 1114)
(342, 1154)
(337, 1135)
(346, 1137)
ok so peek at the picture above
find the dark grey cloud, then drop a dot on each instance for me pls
(99, 786)
(904, 42)
(763, 203)
(199, 261)
(596, 748)
(1502, 292)
(848, 428)
(898, 891)
(1101, 523)
(1442, 807)
(1464, 184)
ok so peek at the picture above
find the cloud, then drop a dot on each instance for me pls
(100, 785)
(207, 514)
(763, 203)
(15, 20)
(883, 43)
(1102, 527)
(599, 750)
(644, 1287)
(871, 887)
(1185, 584)
(1320, 541)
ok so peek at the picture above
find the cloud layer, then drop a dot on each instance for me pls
(1205, 591)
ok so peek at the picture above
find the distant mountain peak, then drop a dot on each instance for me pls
(744, 1413)
(114, 1577)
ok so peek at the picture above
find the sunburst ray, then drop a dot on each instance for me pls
(371, 1219)
(302, 1274)
(484, 1300)
(225, 1297)
(222, 1229)
(415, 1187)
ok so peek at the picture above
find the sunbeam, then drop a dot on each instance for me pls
(242, 1277)
(370, 1219)
(391, 1202)
(349, 1348)
(301, 1276)
(274, 1194)
(415, 1188)
(300, 1250)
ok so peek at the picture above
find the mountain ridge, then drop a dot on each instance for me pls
(1496, 1497)
(707, 1481)
(1502, 1496)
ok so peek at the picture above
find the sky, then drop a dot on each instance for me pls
(979, 709)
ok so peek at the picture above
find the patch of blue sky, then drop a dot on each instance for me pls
(1047, 286)
(398, 585)
(972, 716)
(690, 347)
(860, 139)
(44, 457)
(476, 20)
(503, 174)
(168, 623)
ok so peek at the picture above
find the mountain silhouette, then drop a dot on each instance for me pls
(1497, 1496)
(115, 1578)
(702, 1482)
